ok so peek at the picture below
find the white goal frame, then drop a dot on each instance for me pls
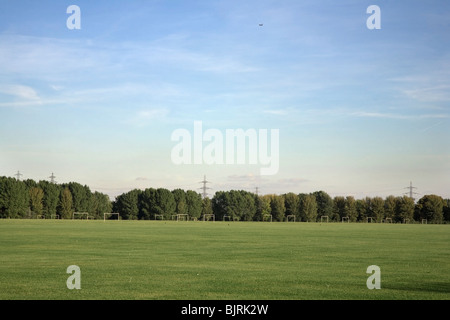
(266, 217)
(371, 219)
(206, 217)
(186, 216)
(346, 219)
(226, 217)
(289, 218)
(160, 216)
(387, 220)
(424, 221)
(321, 218)
(81, 213)
(111, 213)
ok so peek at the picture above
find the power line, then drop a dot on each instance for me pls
(52, 178)
(18, 174)
(204, 188)
(411, 190)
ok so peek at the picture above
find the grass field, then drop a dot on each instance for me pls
(221, 260)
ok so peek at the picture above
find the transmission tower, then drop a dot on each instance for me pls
(411, 192)
(204, 188)
(18, 174)
(52, 178)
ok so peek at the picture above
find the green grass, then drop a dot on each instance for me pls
(221, 260)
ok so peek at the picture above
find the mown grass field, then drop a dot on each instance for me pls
(222, 260)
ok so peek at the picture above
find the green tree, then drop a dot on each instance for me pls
(324, 204)
(146, 204)
(389, 207)
(165, 203)
(338, 208)
(65, 204)
(350, 208)
(277, 207)
(361, 209)
(194, 204)
(207, 206)
(431, 207)
(308, 207)
(180, 200)
(292, 204)
(127, 206)
(377, 208)
(446, 210)
(263, 209)
(404, 209)
(100, 204)
(14, 198)
(36, 200)
(81, 197)
(52, 193)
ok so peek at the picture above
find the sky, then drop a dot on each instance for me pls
(359, 111)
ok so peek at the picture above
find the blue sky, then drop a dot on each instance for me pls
(360, 112)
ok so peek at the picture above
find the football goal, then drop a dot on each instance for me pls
(424, 221)
(111, 214)
(322, 218)
(209, 217)
(81, 215)
(159, 217)
(267, 217)
(182, 217)
(387, 220)
(369, 219)
(225, 218)
(290, 218)
(345, 219)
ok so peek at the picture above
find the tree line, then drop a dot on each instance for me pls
(44, 199)
(240, 205)
(30, 199)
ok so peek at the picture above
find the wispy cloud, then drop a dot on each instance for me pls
(399, 116)
(19, 91)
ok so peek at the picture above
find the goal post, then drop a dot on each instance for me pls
(346, 219)
(290, 218)
(322, 217)
(81, 214)
(182, 217)
(111, 214)
(209, 217)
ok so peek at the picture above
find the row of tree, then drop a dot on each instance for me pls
(239, 205)
(316, 206)
(30, 199)
(43, 199)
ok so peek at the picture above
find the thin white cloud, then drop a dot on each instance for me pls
(19, 91)
(399, 116)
